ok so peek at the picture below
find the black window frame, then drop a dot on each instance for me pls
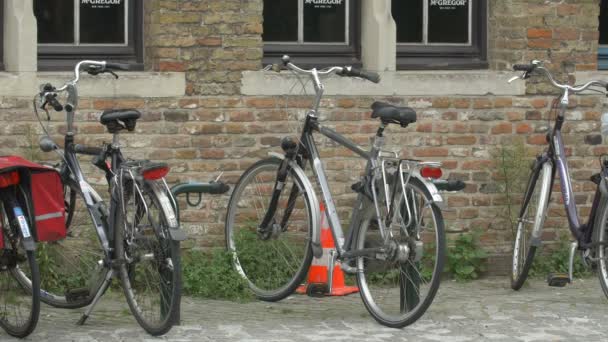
(474, 56)
(64, 57)
(322, 55)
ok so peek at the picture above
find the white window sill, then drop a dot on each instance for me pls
(586, 76)
(129, 84)
(393, 83)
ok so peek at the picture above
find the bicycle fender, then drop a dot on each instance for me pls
(315, 242)
(175, 232)
(432, 189)
(604, 187)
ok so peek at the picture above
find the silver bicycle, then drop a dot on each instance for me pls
(395, 243)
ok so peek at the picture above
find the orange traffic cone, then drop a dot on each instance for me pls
(317, 283)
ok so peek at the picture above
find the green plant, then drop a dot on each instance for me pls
(555, 259)
(513, 169)
(211, 275)
(465, 259)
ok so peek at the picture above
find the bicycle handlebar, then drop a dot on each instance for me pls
(536, 65)
(347, 71)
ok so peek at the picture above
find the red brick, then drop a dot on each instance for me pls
(462, 140)
(538, 103)
(441, 102)
(539, 33)
(566, 34)
(424, 127)
(210, 41)
(461, 103)
(503, 102)
(522, 128)
(537, 139)
(503, 128)
(267, 102)
(449, 116)
(482, 104)
(431, 152)
(540, 43)
(172, 66)
(567, 9)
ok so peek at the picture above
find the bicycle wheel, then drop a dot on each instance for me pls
(19, 277)
(529, 224)
(71, 269)
(151, 271)
(397, 287)
(600, 237)
(274, 261)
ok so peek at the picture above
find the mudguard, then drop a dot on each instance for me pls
(315, 242)
(166, 203)
(432, 189)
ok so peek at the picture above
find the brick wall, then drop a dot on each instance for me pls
(213, 128)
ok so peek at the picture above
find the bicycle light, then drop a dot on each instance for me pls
(8, 179)
(431, 172)
(155, 173)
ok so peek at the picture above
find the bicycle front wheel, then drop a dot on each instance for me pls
(19, 277)
(397, 287)
(529, 224)
(600, 238)
(151, 271)
(273, 259)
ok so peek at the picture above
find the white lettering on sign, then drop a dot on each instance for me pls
(323, 2)
(448, 2)
(100, 2)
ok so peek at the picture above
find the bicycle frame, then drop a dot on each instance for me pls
(556, 154)
(307, 149)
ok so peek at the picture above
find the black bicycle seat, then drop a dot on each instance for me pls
(393, 114)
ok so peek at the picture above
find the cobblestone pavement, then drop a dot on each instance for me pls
(477, 311)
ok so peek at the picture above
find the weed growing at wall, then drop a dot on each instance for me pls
(554, 259)
(465, 259)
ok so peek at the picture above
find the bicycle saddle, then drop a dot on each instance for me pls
(117, 119)
(393, 114)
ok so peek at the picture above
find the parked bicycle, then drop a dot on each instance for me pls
(19, 276)
(136, 238)
(591, 238)
(395, 243)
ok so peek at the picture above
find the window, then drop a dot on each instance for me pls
(314, 32)
(602, 60)
(72, 30)
(447, 34)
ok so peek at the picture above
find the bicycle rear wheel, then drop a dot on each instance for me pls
(397, 288)
(19, 277)
(600, 237)
(274, 261)
(529, 224)
(151, 271)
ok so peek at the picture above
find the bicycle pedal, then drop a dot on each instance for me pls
(317, 289)
(74, 295)
(558, 279)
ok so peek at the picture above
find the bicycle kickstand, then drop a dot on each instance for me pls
(102, 290)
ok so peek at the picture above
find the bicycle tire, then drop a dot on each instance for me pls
(165, 260)
(10, 297)
(269, 251)
(521, 268)
(600, 237)
(411, 306)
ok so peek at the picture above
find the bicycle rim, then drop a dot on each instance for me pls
(531, 218)
(397, 293)
(151, 273)
(19, 295)
(275, 261)
(600, 237)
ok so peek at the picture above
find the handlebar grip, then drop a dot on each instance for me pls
(523, 67)
(118, 66)
(91, 151)
(368, 75)
(52, 100)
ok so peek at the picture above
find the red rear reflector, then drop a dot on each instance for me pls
(157, 173)
(8, 179)
(431, 172)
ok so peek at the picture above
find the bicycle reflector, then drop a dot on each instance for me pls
(430, 172)
(9, 178)
(155, 172)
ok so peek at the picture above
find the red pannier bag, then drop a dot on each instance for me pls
(46, 191)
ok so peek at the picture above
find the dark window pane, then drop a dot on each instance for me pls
(55, 21)
(448, 21)
(280, 21)
(408, 17)
(102, 22)
(324, 21)
(604, 22)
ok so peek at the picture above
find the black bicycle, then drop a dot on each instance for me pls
(19, 276)
(591, 238)
(136, 238)
(395, 243)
